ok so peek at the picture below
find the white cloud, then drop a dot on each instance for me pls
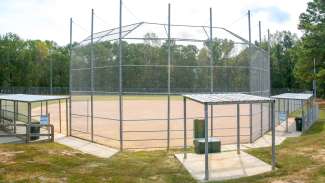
(49, 19)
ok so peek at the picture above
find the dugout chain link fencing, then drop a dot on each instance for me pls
(308, 110)
(125, 84)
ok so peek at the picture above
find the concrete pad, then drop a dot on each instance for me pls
(9, 140)
(85, 146)
(224, 166)
(266, 140)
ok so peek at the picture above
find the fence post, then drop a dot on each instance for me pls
(169, 63)
(60, 116)
(185, 132)
(261, 119)
(251, 122)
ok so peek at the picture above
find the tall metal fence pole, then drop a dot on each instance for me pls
(261, 76)
(120, 79)
(168, 100)
(260, 32)
(70, 85)
(211, 69)
(92, 77)
(185, 129)
(249, 44)
(51, 73)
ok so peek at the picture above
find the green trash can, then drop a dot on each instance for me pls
(36, 130)
(199, 128)
(298, 124)
(214, 145)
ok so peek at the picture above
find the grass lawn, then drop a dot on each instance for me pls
(300, 159)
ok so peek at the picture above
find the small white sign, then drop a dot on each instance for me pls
(44, 120)
(282, 116)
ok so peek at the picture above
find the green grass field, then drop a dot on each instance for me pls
(300, 159)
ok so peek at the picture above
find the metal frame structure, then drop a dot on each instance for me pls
(225, 99)
(29, 100)
(257, 68)
(298, 101)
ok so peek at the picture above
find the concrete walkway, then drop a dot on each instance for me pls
(85, 146)
(266, 139)
(9, 140)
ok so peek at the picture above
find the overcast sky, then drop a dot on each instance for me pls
(49, 19)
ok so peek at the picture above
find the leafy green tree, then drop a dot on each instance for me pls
(312, 46)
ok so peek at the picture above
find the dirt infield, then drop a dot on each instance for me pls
(145, 121)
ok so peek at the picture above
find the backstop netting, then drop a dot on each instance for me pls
(126, 92)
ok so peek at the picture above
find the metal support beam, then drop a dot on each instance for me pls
(278, 112)
(261, 119)
(1, 114)
(206, 167)
(287, 121)
(303, 116)
(251, 122)
(270, 118)
(47, 108)
(238, 128)
(29, 121)
(211, 120)
(273, 136)
(60, 121)
(307, 118)
(185, 132)
(41, 108)
(66, 117)
(269, 61)
(120, 78)
(169, 63)
(15, 111)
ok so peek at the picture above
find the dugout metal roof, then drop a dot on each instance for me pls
(30, 98)
(294, 96)
(229, 98)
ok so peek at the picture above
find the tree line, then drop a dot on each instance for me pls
(27, 63)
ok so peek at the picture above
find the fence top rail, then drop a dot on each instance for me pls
(229, 98)
(294, 96)
(30, 98)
